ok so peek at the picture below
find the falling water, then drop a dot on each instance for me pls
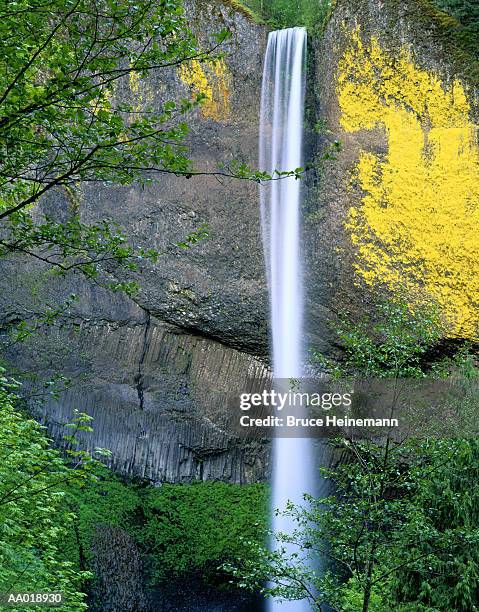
(281, 128)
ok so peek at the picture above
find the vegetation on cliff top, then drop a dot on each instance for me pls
(467, 14)
(286, 14)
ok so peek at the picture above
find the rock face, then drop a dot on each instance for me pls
(387, 81)
(159, 395)
(216, 289)
(118, 570)
(395, 211)
(155, 372)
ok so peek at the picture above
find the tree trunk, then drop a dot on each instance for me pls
(367, 596)
(368, 581)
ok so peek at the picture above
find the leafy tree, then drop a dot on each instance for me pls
(400, 532)
(33, 517)
(465, 11)
(66, 117)
(447, 543)
(393, 344)
(370, 533)
(467, 14)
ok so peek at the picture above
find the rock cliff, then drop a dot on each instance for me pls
(154, 371)
(397, 208)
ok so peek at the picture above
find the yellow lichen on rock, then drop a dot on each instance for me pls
(416, 226)
(141, 90)
(102, 103)
(211, 79)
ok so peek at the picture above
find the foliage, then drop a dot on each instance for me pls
(467, 14)
(466, 11)
(246, 9)
(195, 527)
(400, 532)
(33, 518)
(104, 501)
(180, 529)
(284, 14)
(63, 67)
(393, 343)
(390, 508)
(449, 535)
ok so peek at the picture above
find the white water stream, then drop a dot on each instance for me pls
(281, 136)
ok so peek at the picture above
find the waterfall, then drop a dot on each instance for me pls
(281, 130)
